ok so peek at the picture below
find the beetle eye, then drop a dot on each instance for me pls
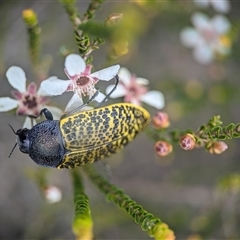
(23, 138)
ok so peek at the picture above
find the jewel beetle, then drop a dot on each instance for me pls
(82, 137)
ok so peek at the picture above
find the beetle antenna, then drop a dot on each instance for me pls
(12, 150)
(15, 143)
(12, 129)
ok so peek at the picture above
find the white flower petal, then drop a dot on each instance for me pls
(189, 37)
(27, 123)
(201, 3)
(17, 78)
(7, 104)
(142, 81)
(200, 21)
(99, 98)
(34, 122)
(221, 24)
(74, 64)
(154, 98)
(125, 76)
(56, 112)
(86, 108)
(203, 54)
(107, 74)
(222, 6)
(120, 91)
(42, 92)
(74, 103)
(54, 86)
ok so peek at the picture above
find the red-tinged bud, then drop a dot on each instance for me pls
(113, 19)
(160, 120)
(163, 148)
(217, 147)
(187, 142)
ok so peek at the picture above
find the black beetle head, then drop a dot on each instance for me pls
(23, 140)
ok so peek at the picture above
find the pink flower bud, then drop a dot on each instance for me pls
(187, 142)
(163, 148)
(217, 147)
(160, 120)
(52, 194)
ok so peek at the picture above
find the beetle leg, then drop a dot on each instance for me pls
(48, 115)
(108, 170)
(92, 98)
(109, 94)
(82, 106)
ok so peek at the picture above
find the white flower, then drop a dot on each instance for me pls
(81, 81)
(207, 39)
(134, 90)
(52, 194)
(222, 6)
(28, 101)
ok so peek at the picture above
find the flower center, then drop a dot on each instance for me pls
(84, 85)
(30, 101)
(82, 81)
(137, 90)
(133, 91)
(210, 35)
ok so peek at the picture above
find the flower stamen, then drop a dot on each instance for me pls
(84, 85)
(82, 81)
(30, 101)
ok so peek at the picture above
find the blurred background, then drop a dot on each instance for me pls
(197, 194)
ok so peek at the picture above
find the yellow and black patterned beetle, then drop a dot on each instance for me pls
(83, 137)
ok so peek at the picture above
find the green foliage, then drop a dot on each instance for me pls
(215, 131)
(147, 221)
(85, 44)
(82, 223)
(71, 10)
(93, 6)
(34, 31)
(96, 29)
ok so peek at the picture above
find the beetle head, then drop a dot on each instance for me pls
(23, 140)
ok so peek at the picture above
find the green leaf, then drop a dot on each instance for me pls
(82, 223)
(96, 29)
